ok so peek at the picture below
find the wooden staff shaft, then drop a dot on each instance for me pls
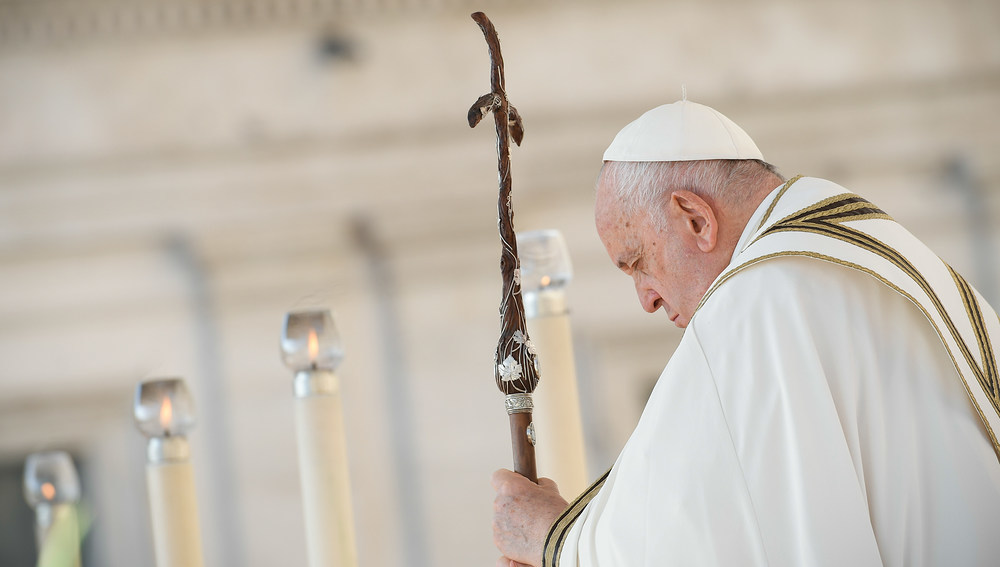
(524, 450)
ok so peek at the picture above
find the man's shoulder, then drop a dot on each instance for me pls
(786, 282)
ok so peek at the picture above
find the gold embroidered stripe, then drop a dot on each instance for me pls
(838, 209)
(557, 533)
(979, 328)
(841, 208)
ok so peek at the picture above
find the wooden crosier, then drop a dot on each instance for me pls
(516, 363)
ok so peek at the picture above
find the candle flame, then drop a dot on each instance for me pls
(48, 491)
(166, 414)
(313, 346)
(546, 280)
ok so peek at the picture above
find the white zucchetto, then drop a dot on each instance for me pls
(682, 131)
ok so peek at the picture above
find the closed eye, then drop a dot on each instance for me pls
(629, 267)
(637, 264)
(629, 259)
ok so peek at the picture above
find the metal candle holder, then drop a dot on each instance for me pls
(164, 413)
(52, 489)
(545, 272)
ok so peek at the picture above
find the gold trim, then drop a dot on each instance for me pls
(989, 380)
(781, 193)
(556, 536)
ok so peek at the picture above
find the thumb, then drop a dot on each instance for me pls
(548, 484)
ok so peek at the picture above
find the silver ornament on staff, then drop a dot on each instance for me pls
(164, 413)
(52, 489)
(545, 273)
(310, 345)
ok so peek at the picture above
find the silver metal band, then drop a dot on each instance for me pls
(162, 450)
(309, 383)
(518, 403)
(545, 303)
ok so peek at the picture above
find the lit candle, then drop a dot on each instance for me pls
(310, 345)
(52, 488)
(164, 412)
(545, 272)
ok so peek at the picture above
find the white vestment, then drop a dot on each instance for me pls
(812, 414)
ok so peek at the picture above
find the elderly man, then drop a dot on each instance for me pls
(834, 398)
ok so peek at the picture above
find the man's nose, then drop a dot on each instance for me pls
(648, 297)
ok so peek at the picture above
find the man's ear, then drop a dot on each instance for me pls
(697, 217)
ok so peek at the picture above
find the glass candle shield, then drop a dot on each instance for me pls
(545, 261)
(164, 408)
(50, 477)
(310, 341)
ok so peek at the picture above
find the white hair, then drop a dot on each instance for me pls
(640, 186)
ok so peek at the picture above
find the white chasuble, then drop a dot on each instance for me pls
(832, 402)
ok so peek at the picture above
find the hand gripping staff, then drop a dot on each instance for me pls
(516, 361)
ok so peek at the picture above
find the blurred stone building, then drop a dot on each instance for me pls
(175, 175)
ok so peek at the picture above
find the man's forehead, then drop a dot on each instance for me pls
(612, 223)
(621, 238)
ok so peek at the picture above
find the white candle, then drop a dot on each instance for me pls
(545, 271)
(311, 346)
(558, 424)
(173, 506)
(164, 411)
(52, 488)
(326, 491)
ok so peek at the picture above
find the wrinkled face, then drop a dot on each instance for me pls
(662, 261)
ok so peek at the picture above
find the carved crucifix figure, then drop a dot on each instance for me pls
(516, 361)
